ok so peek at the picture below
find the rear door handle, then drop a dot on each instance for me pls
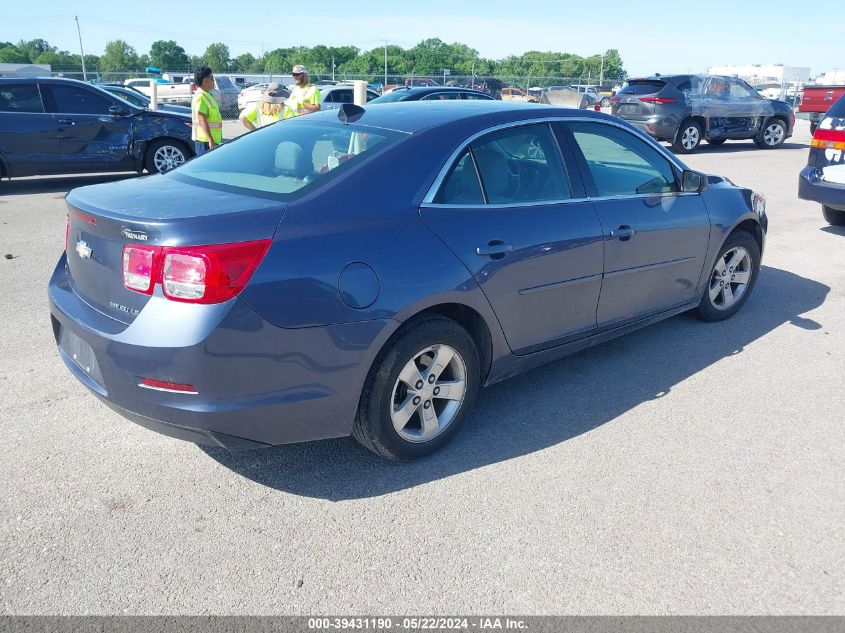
(495, 249)
(623, 233)
(66, 121)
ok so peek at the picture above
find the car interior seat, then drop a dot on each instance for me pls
(291, 160)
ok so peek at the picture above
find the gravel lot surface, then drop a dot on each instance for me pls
(688, 468)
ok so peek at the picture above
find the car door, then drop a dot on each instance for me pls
(655, 236)
(29, 142)
(748, 109)
(91, 138)
(524, 229)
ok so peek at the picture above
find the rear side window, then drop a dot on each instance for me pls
(77, 100)
(642, 87)
(461, 185)
(340, 96)
(442, 96)
(472, 95)
(142, 83)
(20, 98)
(521, 165)
(622, 164)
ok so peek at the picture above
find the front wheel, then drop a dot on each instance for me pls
(833, 216)
(164, 154)
(773, 135)
(419, 390)
(687, 138)
(732, 278)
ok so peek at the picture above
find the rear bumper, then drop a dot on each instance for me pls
(812, 187)
(257, 384)
(659, 127)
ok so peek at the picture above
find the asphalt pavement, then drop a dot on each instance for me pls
(688, 468)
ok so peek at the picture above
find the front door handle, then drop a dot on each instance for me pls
(65, 121)
(623, 233)
(495, 249)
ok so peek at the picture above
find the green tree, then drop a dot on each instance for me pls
(245, 62)
(13, 55)
(613, 68)
(168, 55)
(119, 56)
(33, 48)
(60, 60)
(217, 57)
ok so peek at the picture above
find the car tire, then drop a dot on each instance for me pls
(605, 102)
(726, 272)
(687, 138)
(772, 136)
(833, 216)
(164, 154)
(716, 141)
(401, 374)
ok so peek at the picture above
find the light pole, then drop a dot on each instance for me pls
(385, 64)
(81, 52)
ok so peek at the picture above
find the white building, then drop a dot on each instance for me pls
(832, 77)
(765, 73)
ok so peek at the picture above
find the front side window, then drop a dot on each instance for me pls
(739, 90)
(78, 100)
(622, 164)
(20, 98)
(288, 159)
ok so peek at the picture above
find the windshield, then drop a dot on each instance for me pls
(395, 95)
(288, 158)
(135, 99)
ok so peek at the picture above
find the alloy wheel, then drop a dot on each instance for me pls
(428, 393)
(773, 135)
(730, 278)
(167, 157)
(690, 138)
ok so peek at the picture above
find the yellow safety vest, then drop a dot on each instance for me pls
(300, 96)
(204, 103)
(258, 119)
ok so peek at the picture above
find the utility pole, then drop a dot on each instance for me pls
(601, 72)
(81, 52)
(333, 67)
(385, 63)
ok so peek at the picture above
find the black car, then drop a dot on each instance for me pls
(431, 93)
(62, 126)
(685, 109)
(823, 179)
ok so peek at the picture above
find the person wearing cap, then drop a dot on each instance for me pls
(304, 98)
(266, 110)
(206, 123)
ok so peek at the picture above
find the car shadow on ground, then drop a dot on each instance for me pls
(52, 184)
(836, 230)
(546, 406)
(732, 147)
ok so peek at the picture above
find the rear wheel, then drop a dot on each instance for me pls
(732, 277)
(773, 135)
(833, 216)
(164, 154)
(419, 390)
(688, 137)
(605, 102)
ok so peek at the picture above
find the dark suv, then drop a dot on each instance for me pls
(63, 126)
(686, 109)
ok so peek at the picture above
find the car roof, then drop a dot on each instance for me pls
(412, 117)
(30, 80)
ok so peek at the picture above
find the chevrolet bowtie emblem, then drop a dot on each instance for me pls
(83, 250)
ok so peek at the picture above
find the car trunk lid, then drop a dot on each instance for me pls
(630, 105)
(153, 211)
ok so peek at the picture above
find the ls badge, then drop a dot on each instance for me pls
(83, 250)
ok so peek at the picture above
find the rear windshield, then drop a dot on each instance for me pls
(394, 95)
(642, 87)
(286, 159)
(838, 108)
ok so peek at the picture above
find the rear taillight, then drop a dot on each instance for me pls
(614, 99)
(829, 139)
(139, 267)
(657, 100)
(195, 274)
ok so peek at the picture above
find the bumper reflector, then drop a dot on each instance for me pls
(163, 385)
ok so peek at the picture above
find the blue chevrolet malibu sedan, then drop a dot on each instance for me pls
(367, 273)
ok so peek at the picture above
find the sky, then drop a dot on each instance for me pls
(656, 36)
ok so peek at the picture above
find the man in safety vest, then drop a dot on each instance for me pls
(207, 124)
(305, 97)
(267, 110)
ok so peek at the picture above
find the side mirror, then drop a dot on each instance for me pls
(116, 110)
(693, 182)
